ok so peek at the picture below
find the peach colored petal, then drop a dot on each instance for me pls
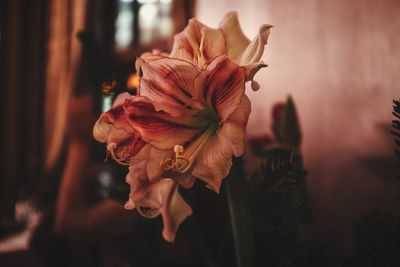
(174, 209)
(234, 128)
(187, 43)
(212, 45)
(214, 162)
(169, 84)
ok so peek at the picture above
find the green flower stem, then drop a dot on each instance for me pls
(243, 234)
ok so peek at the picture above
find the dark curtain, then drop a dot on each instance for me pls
(22, 56)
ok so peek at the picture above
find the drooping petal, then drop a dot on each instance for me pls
(214, 162)
(174, 209)
(187, 43)
(159, 128)
(169, 84)
(235, 40)
(221, 85)
(143, 192)
(234, 128)
(251, 70)
(212, 45)
(162, 195)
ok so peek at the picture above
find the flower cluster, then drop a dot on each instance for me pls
(187, 121)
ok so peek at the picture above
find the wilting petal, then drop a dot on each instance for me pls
(174, 209)
(221, 85)
(169, 84)
(235, 40)
(159, 128)
(234, 128)
(255, 49)
(214, 162)
(212, 45)
(187, 43)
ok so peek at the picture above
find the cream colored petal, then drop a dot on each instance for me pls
(212, 45)
(255, 49)
(235, 40)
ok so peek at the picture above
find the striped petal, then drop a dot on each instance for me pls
(169, 84)
(221, 86)
(234, 128)
(112, 128)
(214, 162)
(159, 128)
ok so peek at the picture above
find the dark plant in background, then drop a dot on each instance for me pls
(282, 211)
(396, 133)
(280, 205)
(377, 239)
(377, 232)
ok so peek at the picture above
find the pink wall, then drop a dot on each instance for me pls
(341, 62)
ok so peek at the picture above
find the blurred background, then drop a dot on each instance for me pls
(339, 60)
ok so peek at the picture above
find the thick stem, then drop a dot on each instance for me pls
(243, 234)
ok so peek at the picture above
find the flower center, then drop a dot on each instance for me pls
(185, 157)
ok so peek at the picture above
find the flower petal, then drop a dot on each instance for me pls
(234, 128)
(251, 70)
(174, 209)
(123, 142)
(235, 40)
(159, 128)
(214, 162)
(221, 85)
(212, 45)
(255, 49)
(169, 84)
(143, 192)
(187, 43)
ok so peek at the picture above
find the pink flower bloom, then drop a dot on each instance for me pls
(185, 124)
(204, 111)
(200, 44)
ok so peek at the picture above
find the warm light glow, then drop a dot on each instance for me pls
(133, 81)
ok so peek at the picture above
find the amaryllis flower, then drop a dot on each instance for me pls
(200, 44)
(203, 111)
